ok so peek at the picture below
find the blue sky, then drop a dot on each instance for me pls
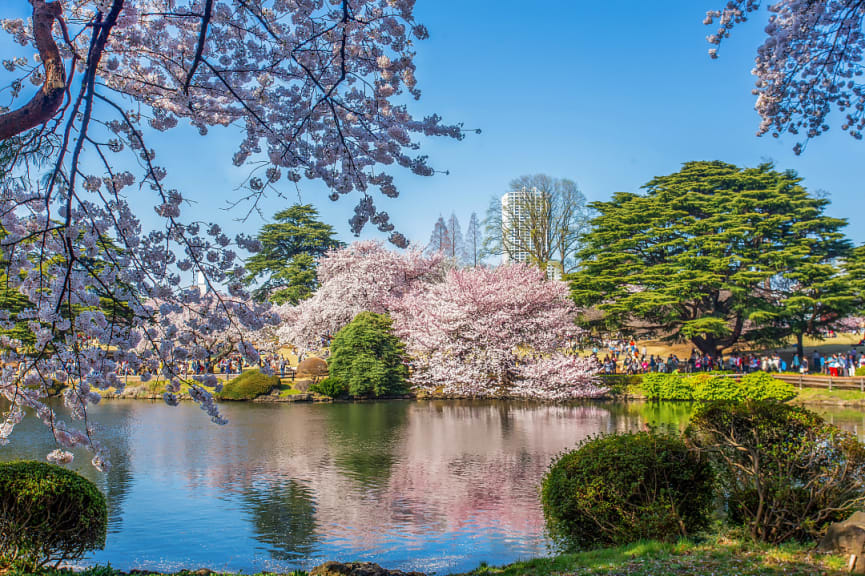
(609, 94)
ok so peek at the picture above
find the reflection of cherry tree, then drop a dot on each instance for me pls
(363, 276)
(481, 331)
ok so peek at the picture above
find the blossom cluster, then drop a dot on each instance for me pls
(470, 332)
(314, 89)
(809, 63)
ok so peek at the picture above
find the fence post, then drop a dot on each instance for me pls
(800, 381)
(830, 383)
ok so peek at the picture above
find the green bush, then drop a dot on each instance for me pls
(366, 357)
(860, 371)
(48, 515)
(714, 387)
(330, 386)
(248, 386)
(762, 386)
(620, 488)
(784, 473)
(719, 388)
(661, 386)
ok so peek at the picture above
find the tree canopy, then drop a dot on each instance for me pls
(696, 256)
(809, 63)
(290, 249)
(367, 359)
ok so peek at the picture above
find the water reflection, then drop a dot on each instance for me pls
(283, 518)
(433, 486)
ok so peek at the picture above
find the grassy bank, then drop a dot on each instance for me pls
(717, 555)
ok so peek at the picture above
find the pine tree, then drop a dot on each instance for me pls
(700, 255)
(290, 248)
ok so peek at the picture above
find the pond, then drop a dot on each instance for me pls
(434, 486)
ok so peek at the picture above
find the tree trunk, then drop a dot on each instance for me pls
(48, 99)
(800, 348)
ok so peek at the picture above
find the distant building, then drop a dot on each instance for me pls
(517, 244)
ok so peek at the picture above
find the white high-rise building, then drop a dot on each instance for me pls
(517, 209)
(516, 224)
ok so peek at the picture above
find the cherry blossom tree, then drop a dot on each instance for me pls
(483, 332)
(560, 377)
(364, 276)
(809, 64)
(315, 90)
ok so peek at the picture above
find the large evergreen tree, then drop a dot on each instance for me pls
(808, 299)
(696, 257)
(290, 248)
(367, 359)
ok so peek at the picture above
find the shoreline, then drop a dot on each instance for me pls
(724, 554)
(813, 397)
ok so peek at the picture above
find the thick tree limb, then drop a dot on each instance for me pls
(48, 99)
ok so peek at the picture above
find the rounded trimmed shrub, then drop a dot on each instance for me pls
(329, 387)
(620, 488)
(48, 515)
(248, 386)
(784, 472)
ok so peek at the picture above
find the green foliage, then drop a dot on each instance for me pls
(711, 387)
(784, 473)
(367, 358)
(620, 488)
(687, 259)
(290, 248)
(248, 386)
(761, 386)
(860, 371)
(329, 386)
(719, 388)
(48, 514)
(663, 386)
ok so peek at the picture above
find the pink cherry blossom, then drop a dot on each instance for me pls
(313, 89)
(809, 63)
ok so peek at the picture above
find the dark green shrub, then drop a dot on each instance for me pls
(719, 388)
(48, 515)
(367, 358)
(762, 386)
(784, 472)
(621, 488)
(248, 386)
(332, 387)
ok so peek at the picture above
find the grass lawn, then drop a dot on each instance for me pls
(840, 343)
(718, 556)
(826, 396)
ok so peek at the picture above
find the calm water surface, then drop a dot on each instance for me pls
(430, 486)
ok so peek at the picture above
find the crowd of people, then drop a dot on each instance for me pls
(229, 366)
(622, 357)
